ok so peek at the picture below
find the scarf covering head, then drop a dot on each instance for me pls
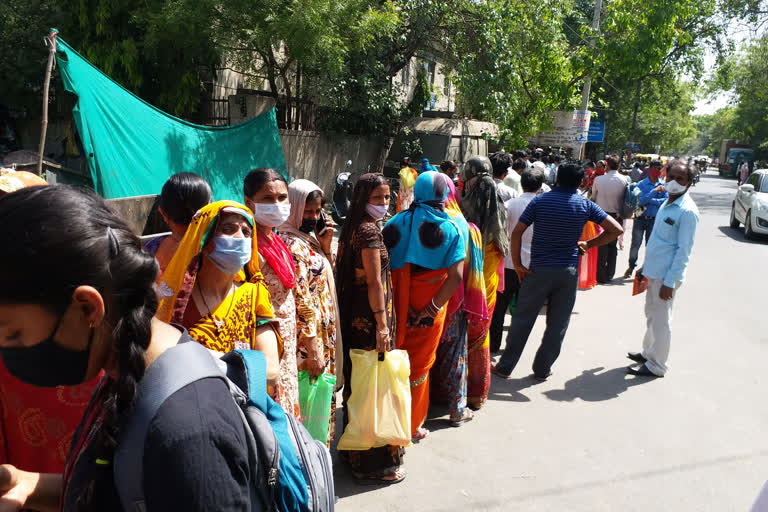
(298, 191)
(424, 234)
(426, 166)
(178, 280)
(471, 296)
(482, 205)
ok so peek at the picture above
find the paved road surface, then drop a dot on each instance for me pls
(594, 439)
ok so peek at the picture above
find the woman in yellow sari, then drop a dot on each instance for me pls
(214, 288)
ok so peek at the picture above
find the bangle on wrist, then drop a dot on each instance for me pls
(379, 311)
(383, 331)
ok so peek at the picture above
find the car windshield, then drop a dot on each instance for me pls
(764, 184)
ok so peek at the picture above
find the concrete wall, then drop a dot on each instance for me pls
(320, 157)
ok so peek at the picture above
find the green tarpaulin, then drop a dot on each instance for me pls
(133, 147)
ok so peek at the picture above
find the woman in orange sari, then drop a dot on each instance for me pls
(213, 286)
(427, 252)
(483, 207)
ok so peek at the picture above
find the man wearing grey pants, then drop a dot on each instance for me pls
(560, 216)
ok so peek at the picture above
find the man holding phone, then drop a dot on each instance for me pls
(667, 255)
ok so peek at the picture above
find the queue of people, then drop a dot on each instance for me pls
(436, 281)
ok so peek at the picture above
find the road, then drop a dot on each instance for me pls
(595, 439)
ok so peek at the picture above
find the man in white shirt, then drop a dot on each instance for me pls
(531, 182)
(501, 163)
(609, 191)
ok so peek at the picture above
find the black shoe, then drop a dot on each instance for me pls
(636, 357)
(628, 273)
(642, 371)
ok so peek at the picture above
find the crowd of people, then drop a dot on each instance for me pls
(436, 280)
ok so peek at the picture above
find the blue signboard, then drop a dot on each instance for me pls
(596, 129)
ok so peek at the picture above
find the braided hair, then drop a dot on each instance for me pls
(59, 238)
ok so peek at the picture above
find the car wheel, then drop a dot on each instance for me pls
(748, 233)
(734, 220)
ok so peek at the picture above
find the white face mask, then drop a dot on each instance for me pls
(271, 214)
(376, 211)
(675, 188)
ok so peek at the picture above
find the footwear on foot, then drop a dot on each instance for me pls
(380, 478)
(543, 378)
(637, 357)
(642, 371)
(628, 273)
(467, 416)
(420, 434)
(495, 370)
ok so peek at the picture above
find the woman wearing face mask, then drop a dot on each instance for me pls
(427, 252)
(214, 287)
(182, 195)
(308, 236)
(364, 287)
(266, 194)
(96, 312)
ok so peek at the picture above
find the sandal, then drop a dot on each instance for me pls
(381, 478)
(420, 434)
(467, 416)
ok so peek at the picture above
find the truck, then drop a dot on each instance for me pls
(732, 153)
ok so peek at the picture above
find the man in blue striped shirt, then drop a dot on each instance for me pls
(667, 254)
(560, 216)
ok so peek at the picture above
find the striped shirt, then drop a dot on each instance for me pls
(560, 216)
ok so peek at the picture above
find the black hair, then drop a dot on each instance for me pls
(690, 171)
(91, 246)
(612, 162)
(501, 162)
(531, 180)
(366, 184)
(315, 194)
(570, 175)
(257, 178)
(447, 165)
(518, 154)
(519, 164)
(655, 163)
(182, 195)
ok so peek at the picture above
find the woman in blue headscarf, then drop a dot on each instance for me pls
(427, 251)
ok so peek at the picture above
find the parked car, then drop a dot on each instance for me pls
(750, 207)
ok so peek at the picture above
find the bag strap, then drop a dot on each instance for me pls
(175, 368)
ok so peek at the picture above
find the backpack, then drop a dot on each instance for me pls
(631, 201)
(289, 470)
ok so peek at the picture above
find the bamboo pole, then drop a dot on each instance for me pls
(50, 41)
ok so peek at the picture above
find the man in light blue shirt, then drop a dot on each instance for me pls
(666, 258)
(652, 196)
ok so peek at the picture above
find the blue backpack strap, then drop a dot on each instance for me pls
(175, 368)
(248, 370)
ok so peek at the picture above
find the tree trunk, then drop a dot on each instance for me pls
(633, 130)
(381, 158)
(298, 96)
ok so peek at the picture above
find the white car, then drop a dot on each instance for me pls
(751, 205)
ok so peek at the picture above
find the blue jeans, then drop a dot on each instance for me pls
(558, 284)
(640, 226)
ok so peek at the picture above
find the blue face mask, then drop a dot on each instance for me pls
(230, 255)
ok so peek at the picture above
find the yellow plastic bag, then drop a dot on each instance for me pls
(380, 404)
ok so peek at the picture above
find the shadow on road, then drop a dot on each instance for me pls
(593, 386)
(738, 235)
(509, 390)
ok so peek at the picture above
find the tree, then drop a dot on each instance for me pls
(511, 75)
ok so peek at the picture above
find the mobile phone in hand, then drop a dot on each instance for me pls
(320, 226)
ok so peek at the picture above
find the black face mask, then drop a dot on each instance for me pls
(307, 225)
(47, 364)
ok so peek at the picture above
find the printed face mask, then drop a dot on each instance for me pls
(376, 211)
(230, 255)
(48, 364)
(271, 215)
